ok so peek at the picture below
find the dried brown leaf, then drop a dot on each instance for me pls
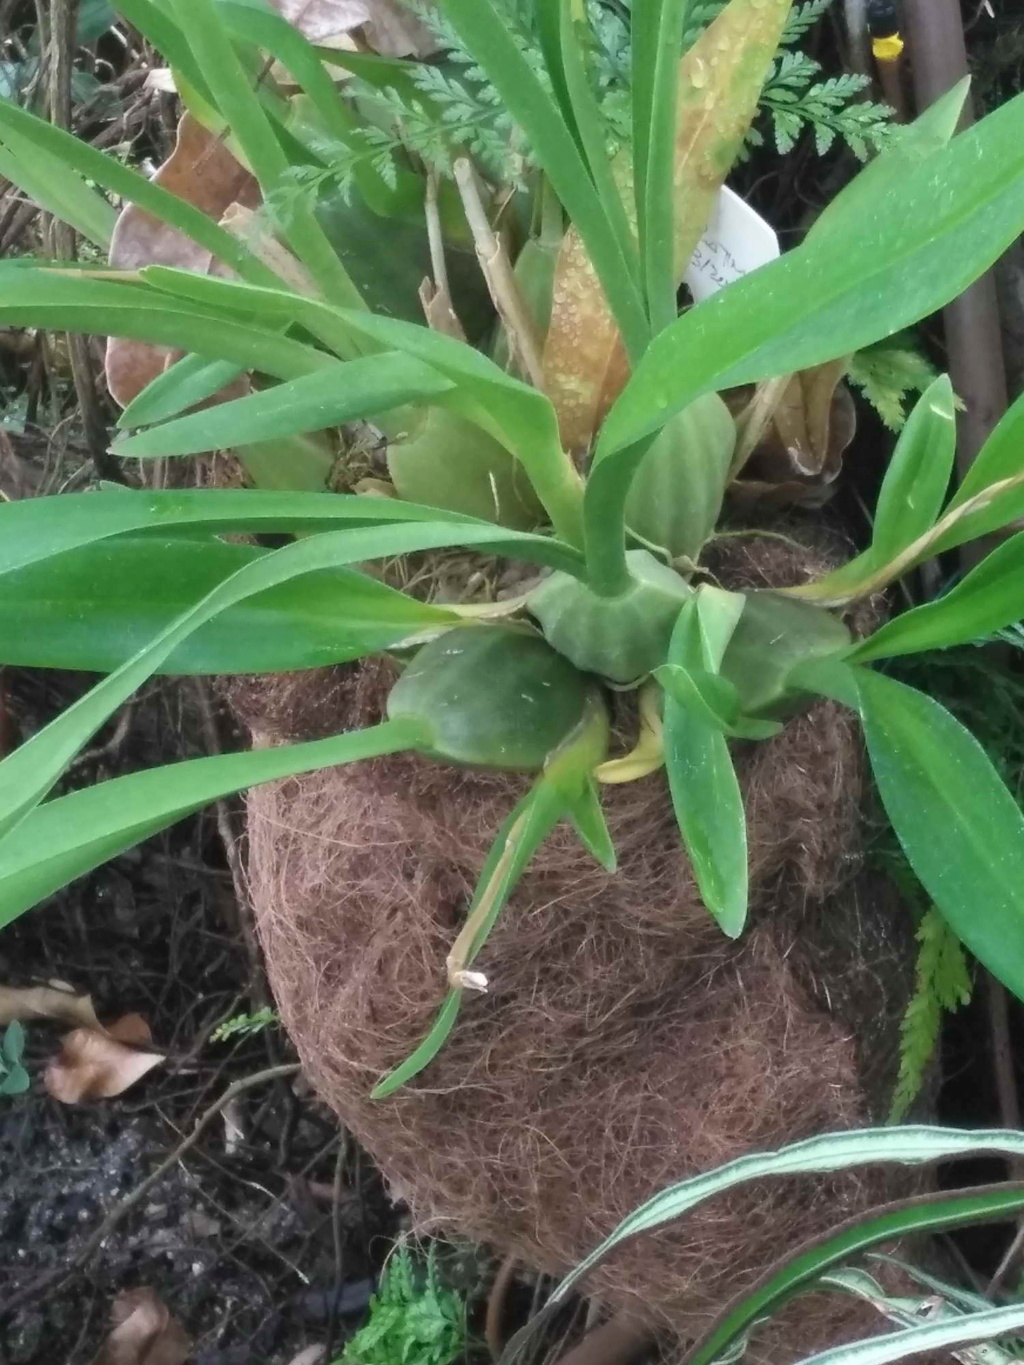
(800, 455)
(98, 1063)
(720, 80)
(321, 20)
(584, 361)
(144, 1332)
(203, 172)
(394, 32)
(46, 1002)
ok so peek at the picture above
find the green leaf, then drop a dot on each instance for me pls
(912, 493)
(236, 98)
(655, 90)
(556, 792)
(95, 607)
(559, 29)
(54, 186)
(985, 1325)
(705, 792)
(960, 828)
(31, 296)
(714, 701)
(930, 1213)
(518, 839)
(590, 824)
(35, 528)
(520, 417)
(58, 147)
(930, 132)
(12, 1046)
(189, 381)
(907, 254)
(989, 598)
(912, 1145)
(487, 37)
(28, 774)
(67, 837)
(516, 414)
(915, 484)
(1001, 457)
(341, 393)
(252, 21)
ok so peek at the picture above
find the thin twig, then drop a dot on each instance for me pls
(54, 1278)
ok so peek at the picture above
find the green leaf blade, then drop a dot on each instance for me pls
(315, 402)
(95, 607)
(71, 835)
(960, 828)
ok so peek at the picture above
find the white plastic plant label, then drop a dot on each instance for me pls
(736, 242)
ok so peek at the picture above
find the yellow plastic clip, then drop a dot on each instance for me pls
(888, 49)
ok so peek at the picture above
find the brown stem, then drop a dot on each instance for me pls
(973, 336)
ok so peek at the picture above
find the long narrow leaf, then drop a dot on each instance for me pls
(253, 22)
(35, 528)
(705, 792)
(656, 87)
(342, 393)
(487, 37)
(848, 285)
(72, 301)
(988, 599)
(912, 1145)
(95, 607)
(67, 837)
(560, 30)
(189, 381)
(930, 1213)
(29, 773)
(518, 416)
(1001, 457)
(111, 174)
(960, 828)
(986, 1325)
(56, 187)
(239, 105)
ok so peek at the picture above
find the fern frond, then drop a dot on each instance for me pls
(942, 984)
(887, 373)
(801, 18)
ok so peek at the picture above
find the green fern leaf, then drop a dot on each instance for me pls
(943, 984)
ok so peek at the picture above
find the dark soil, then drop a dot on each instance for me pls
(258, 1245)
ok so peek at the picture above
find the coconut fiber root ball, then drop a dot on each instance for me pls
(624, 1042)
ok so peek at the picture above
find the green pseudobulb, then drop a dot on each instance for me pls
(676, 494)
(443, 460)
(491, 697)
(620, 638)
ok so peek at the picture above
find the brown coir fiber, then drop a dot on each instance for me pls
(624, 1043)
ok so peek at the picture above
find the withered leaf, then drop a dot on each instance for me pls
(98, 1063)
(144, 1333)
